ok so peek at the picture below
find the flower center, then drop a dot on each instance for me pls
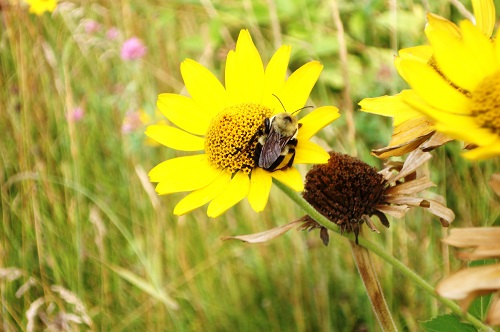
(231, 138)
(486, 103)
(344, 190)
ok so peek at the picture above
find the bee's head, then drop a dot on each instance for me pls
(286, 123)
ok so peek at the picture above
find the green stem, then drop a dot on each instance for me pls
(396, 264)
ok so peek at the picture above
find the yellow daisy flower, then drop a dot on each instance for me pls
(39, 7)
(455, 86)
(227, 124)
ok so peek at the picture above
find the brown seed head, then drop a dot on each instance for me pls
(344, 190)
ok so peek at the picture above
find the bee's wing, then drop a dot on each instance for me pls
(272, 148)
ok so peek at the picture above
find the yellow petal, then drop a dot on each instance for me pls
(234, 192)
(183, 174)
(290, 177)
(435, 90)
(464, 128)
(317, 120)
(205, 89)
(393, 106)
(175, 138)
(496, 45)
(436, 22)
(481, 48)
(422, 53)
(260, 186)
(310, 153)
(203, 195)
(484, 10)
(275, 75)
(184, 113)
(245, 74)
(484, 152)
(461, 59)
(299, 85)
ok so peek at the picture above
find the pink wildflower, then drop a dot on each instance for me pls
(76, 114)
(112, 33)
(132, 49)
(92, 26)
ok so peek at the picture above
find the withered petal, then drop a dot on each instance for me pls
(399, 150)
(397, 211)
(414, 160)
(465, 282)
(266, 235)
(473, 237)
(435, 141)
(445, 214)
(406, 137)
(481, 252)
(412, 187)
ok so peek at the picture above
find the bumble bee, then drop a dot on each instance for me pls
(277, 141)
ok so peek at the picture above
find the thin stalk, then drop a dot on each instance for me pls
(396, 264)
(373, 289)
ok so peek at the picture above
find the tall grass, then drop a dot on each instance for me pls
(78, 211)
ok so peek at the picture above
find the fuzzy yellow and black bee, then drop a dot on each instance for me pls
(276, 144)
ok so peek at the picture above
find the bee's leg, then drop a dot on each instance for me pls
(256, 156)
(290, 162)
(238, 150)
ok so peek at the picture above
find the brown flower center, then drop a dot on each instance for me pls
(344, 190)
(230, 141)
(486, 103)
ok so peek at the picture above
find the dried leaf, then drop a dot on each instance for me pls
(266, 235)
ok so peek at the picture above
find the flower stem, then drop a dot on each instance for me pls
(323, 221)
(375, 294)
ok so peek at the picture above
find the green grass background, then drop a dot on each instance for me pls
(78, 211)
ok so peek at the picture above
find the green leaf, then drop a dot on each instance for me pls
(446, 323)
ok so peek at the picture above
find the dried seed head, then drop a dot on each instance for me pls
(344, 190)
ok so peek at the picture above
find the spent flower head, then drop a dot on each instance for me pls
(349, 192)
(232, 126)
(455, 87)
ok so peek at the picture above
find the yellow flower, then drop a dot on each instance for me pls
(39, 7)
(226, 122)
(455, 86)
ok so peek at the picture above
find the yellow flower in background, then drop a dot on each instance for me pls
(228, 124)
(455, 86)
(39, 7)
